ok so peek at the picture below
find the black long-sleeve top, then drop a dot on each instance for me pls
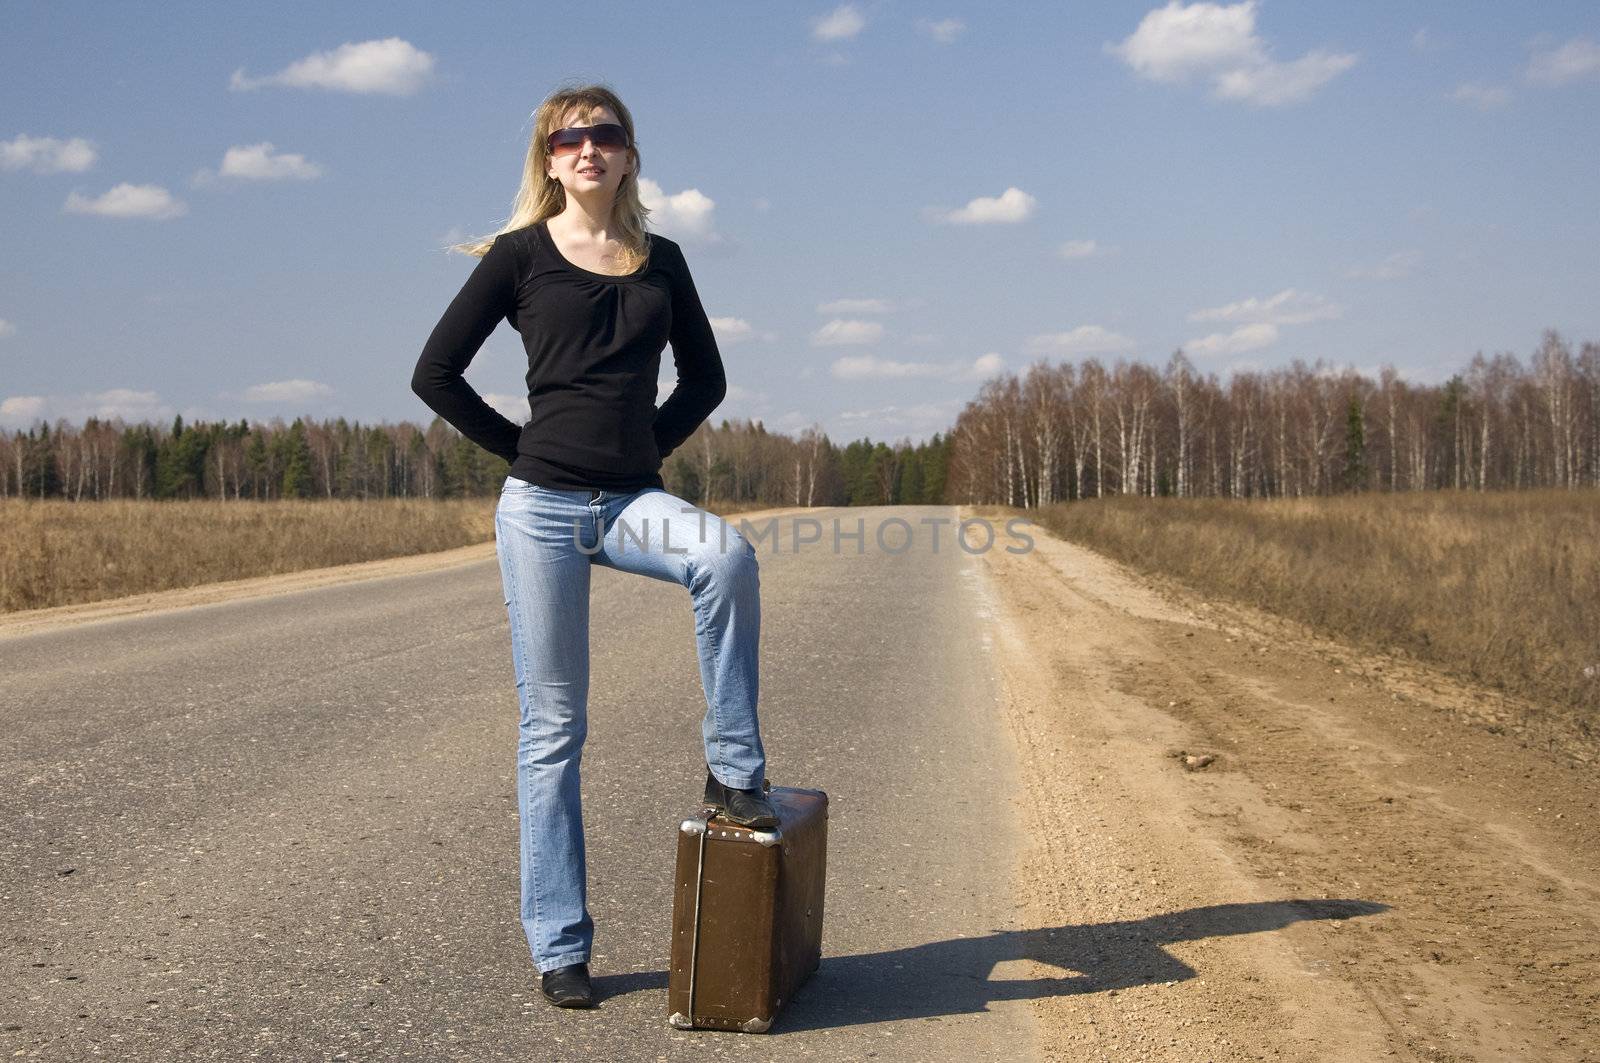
(594, 344)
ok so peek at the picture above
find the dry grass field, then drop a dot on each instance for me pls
(1503, 588)
(56, 553)
(63, 553)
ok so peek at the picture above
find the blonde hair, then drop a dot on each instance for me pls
(541, 196)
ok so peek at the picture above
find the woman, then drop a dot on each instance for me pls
(596, 299)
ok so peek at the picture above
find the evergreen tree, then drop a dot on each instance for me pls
(1355, 446)
(856, 466)
(40, 477)
(140, 443)
(683, 480)
(909, 489)
(719, 478)
(380, 469)
(882, 460)
(180, 463)
(297, 482)
(257, 463)
(1444, 430)
(456, 468)
(935, 462)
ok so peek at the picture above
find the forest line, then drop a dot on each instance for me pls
(1056, 432)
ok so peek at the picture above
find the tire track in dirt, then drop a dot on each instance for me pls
(1358, 875)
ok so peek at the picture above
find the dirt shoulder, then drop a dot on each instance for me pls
(35, 620)
(1370, 867)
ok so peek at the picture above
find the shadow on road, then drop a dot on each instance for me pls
(952, 977)
(607, 986)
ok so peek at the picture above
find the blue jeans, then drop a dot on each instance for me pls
(547, 540)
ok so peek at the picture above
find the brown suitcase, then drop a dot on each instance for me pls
(747, 914)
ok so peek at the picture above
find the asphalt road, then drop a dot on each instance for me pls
(286, 827)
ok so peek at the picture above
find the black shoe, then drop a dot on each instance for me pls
(748, 808)
(568, 987)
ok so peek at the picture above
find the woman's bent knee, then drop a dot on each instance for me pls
(730, 566)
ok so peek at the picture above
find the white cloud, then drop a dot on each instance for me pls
(738, 398)
(513, 408)
(855, 306)
(870, 367)
(287, 391)
(924, 409)
(791, 423)
(128, 201)
(745, 398)
(1375, 372)
(1080, 249)
(1012, 205)
(1424, 41)
(844, 332)
(132, 406)
(390, 66)
(21, 409)
(126, 403)
(1575, 60)
(1258, 321)
(685, 215)
(987, 365)
(1280, 84)
(257, 162)
(1218, 43)
(1177, 42)
(46, 154)
(842, 23)
(1400, 264)
(866, 366)
(917, 420)
(7, 328)
(1085, 339)
(1483, 97)
(731, 329)
(1288, 307)
(944, 30)
(1244, 338)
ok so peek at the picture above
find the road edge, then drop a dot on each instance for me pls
(55, 618)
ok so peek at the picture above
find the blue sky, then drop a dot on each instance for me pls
(228, 210)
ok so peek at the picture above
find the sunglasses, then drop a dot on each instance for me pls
(569, 141)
